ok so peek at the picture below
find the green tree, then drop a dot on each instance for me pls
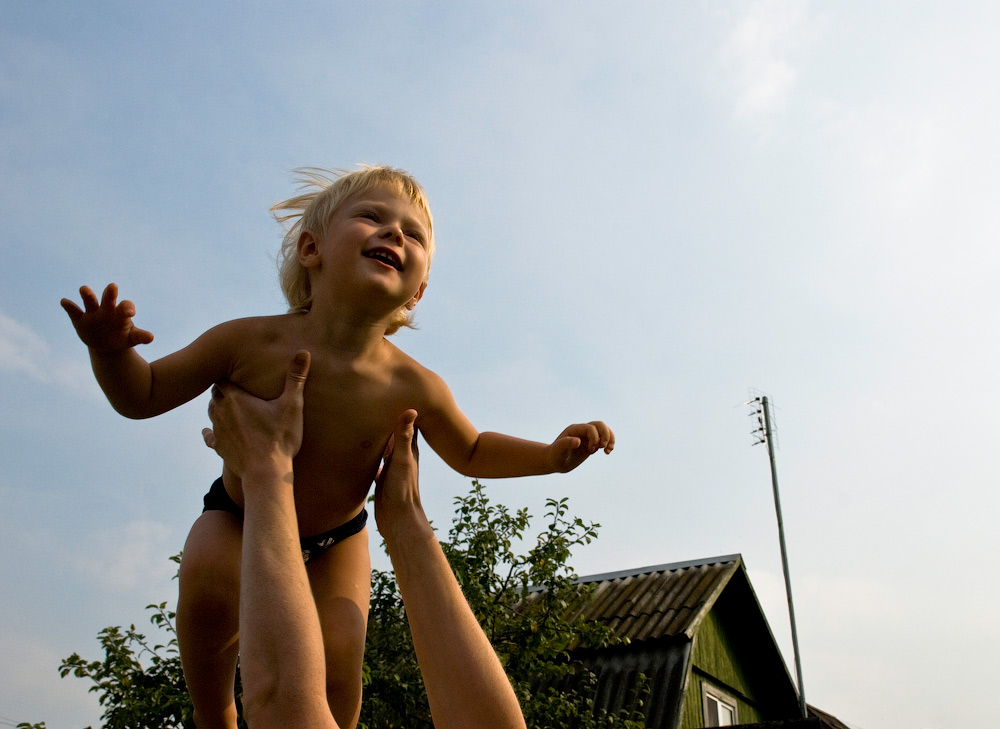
(520, 600)
(140, 684)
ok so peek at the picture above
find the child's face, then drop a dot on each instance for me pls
(377, 238)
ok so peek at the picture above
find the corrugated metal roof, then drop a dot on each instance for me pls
(662, 601)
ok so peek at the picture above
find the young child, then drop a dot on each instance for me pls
(353, 266)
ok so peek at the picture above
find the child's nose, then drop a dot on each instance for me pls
(392, 232)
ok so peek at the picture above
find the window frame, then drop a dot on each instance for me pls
(713, 693)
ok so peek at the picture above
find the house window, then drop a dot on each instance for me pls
(720, 707)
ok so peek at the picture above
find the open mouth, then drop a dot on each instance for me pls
(384, 256)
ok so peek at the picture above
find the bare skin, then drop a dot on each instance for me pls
(369, 262)
(282, 661)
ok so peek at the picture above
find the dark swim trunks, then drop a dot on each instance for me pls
(218, 499)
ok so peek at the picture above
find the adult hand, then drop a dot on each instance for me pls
(397, 492)
(466, 685)
(251, 433)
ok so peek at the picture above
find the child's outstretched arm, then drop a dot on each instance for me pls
(495, 455)
(134, 387)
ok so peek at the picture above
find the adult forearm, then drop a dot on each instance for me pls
(466, 685)
(281, 646)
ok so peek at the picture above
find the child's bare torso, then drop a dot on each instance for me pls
(351, 404)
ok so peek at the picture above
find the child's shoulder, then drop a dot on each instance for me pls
(257, 328)
(238, 341)
(417, 375)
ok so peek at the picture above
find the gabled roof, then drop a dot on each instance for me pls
(661, 601)
(660, 610)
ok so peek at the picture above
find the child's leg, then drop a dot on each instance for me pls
(341, 585)
(208, 616)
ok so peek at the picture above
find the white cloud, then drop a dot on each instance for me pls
(758, 52)
(24, 353)
(129, 557)
(21, 350)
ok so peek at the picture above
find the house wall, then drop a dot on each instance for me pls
(715, 660)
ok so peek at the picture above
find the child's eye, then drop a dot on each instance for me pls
(416, 235)
(368, 214)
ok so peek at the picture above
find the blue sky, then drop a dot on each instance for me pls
(642, 210)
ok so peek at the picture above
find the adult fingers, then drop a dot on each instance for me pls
(220, 389)
(219, 393)
(209, 437)
(389, 446)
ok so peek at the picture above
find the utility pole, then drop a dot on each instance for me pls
(763, 434)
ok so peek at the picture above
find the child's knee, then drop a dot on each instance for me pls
(210, 565)
(345, 647)
(345, 652)
(203, 579)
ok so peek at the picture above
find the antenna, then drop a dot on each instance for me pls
(763, 433)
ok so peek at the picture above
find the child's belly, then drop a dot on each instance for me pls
(331, 483)
(348, 417)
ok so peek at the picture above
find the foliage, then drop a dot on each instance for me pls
(133, 694)
(521, 601)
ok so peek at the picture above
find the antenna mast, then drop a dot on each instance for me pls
(763, 434)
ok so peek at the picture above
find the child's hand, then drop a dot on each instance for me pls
(578, 442)
(105, 327)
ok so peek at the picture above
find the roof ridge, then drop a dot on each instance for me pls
(669, 567)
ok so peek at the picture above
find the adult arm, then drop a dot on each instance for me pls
(281, 645)
(466, 685)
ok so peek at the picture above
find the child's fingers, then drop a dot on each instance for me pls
(568, 443)
(589, 435)
(90, 302)
(125, 308)
(109, 296)
(74, 311)
(605, 437)
(139, 336)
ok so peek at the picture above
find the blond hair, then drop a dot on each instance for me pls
(312, 210)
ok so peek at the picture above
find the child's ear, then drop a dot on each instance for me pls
(308, 249)
(416, 297)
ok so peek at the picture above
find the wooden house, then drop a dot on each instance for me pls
(696, 631)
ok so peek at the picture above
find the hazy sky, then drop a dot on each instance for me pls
(642, 210)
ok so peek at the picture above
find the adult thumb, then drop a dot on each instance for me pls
(298, 371)
(404, 434)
